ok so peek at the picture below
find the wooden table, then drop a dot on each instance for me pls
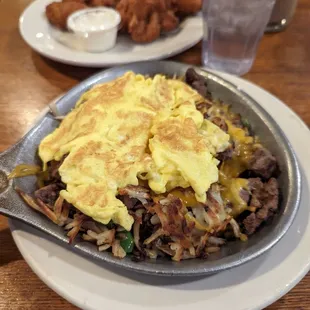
(28, 82)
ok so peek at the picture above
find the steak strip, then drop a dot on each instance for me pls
(265, 198)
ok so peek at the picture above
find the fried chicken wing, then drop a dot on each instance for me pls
(58, 12)
(145, 31)
(108, 3)
(143, 10)
(186, 7)
(125, 9)
(77, 1)
(144, 20)
(168, 21)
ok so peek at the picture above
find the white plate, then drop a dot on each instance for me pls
(92, 285)
(35, 30)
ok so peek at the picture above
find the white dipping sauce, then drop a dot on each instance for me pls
(94, 29)
(95, 21)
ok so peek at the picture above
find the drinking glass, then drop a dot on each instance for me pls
(281, 15)
(232, 31)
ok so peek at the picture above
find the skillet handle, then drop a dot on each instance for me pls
(11, 204)
(7, 193)
(9, 157)
(7, 163)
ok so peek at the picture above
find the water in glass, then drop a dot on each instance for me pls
(232, 30)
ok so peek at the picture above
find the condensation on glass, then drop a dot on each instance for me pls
(282, 14)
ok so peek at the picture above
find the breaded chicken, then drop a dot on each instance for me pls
(78, 1)
(169, 21)
(58, 12)
(108, 3)
(186, 7)
(145, 32)
(143, 20)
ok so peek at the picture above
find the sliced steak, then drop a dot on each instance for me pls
(255, 184)
(203, 108)
(263, 163)
(269, 198)
(53, 167)
(48, 194)
(245, 195)
(220, 122)
(227, 154)
(198, 82)
(200, 87)
(129, 202)
(265, 198)
(191, 76)
(251, 223)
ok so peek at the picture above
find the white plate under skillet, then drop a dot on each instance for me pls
(36, 31)
(251, 286)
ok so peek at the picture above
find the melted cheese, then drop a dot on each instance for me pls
(128, 128)
(231, 194)
(187, 197)
(231, 169)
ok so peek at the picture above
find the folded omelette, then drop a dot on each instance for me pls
(129, 129)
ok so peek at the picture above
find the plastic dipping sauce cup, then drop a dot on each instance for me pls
(95, 29)
(232, 31)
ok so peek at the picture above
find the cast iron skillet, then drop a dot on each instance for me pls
(233, 253)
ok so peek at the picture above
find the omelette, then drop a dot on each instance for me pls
(131, 129)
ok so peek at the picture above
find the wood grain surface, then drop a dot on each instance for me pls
(28, 82)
